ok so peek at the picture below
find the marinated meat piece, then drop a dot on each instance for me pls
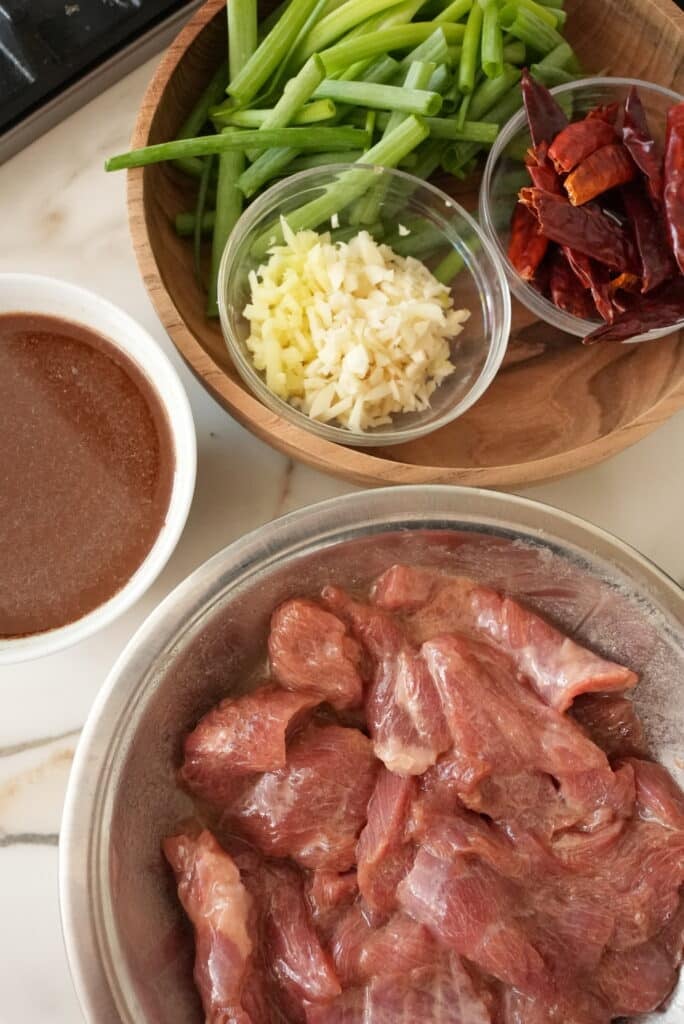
(611, 722)
(329, 893)
(220, 910)
(578, 1007)
(313, 809)
(402, 707)
(384, 854)
(471, 909)
(310, 651)
(659, 798)
(558, 668)
(440, 992)
(636, 980)
(499, 725)
(347, 943)
(240, 736)
(399, 946)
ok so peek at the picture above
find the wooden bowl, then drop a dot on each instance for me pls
(554, 407)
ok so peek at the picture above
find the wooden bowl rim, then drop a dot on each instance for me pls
(352, 463)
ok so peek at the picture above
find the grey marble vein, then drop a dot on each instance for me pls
(29, 839)
(41, 741)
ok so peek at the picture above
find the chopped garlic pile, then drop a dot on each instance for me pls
(349, 331)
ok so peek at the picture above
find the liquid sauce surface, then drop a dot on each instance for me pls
(86, 468)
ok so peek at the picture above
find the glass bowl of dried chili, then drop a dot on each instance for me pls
(506, 174)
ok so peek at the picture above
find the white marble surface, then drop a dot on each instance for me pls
(62, 216)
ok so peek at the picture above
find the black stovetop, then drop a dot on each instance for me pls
(48, 48)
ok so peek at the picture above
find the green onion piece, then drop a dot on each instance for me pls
(562, 56)
(350, 185)
(367, 209)
(491, 90)
(447, 128)
(234, 139)
(381, 97)
(424, 239)
(242, 34)
(271, 52)
(492, 41)
(550, 76)
(375, 44)
(242, 41)
(401, 14)
(450, 266)
(471, 50)
(433, 50)
(455, 56)
(310, 113)
(514, 52)
(199, 115)
(199, 212)
(463, 110)
(310, 160)
(455, 11)
(533, 31)
(295, 94)
(267, 166)
(185, 223)
(459, 155)
(440, 79)
(545, 14)
(429, 157)
(338, 23)
(556, 4)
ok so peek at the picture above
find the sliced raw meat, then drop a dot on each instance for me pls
(501, 727)
(384, 853)
(470, 908)
(347, 943)
(659, 798)
(577, 1007)
(313, 809)
(442, 992)
(611, 722)
(636, 980)
(397, 947)
(220, 910)
(310, 650)
(558, 668)
(329, 893)
(240, 736)
(402, 707)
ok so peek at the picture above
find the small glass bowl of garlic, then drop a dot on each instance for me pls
(363, 304)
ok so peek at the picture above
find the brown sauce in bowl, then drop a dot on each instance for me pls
(86, 470)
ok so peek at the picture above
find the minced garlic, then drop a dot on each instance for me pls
(350, 331)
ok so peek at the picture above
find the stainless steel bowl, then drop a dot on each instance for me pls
(128, 945)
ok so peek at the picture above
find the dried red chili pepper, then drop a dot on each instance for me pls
(595, 277)
(527, 246)
(578, 141)
(601, 170)
(586, 229)
(542, 173)
(608, 113)
(662, 308)
(637, 138)
(566, 290)
(673, 191)
(657, 264)
(544, 117)
(625, 283)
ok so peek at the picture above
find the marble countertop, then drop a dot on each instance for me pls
(62, 216)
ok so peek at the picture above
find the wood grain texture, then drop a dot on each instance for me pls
(555, 406)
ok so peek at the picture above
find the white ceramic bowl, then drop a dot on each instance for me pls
(30, 293)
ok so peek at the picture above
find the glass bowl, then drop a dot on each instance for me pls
(440, 230)
(504, 175)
